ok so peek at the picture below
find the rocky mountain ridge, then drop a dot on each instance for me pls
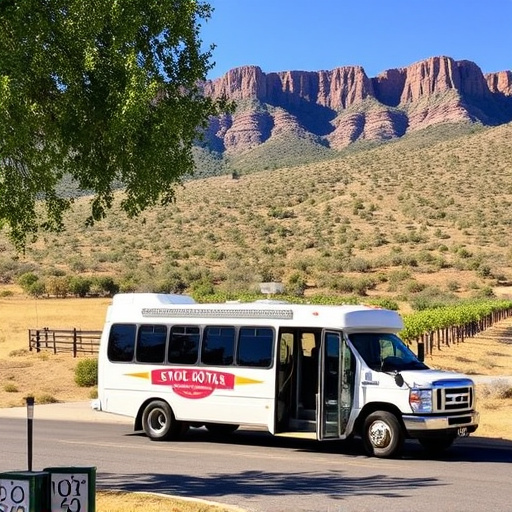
(339, 107)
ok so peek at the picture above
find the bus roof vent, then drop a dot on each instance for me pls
(212, 312)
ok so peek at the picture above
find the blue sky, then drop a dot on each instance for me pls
(312, 35)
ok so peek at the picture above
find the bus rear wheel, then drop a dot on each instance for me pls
(382, 435)
(159, 423)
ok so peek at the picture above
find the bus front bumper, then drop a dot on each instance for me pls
(467, 422)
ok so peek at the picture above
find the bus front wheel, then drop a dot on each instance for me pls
(158, 421)
(382, 434)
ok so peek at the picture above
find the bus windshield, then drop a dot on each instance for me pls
(385, 352)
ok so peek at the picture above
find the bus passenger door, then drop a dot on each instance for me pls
(285, 380)
(335, 387)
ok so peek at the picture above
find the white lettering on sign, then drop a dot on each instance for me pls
(193, 383)
(14, 495)
(69, 493)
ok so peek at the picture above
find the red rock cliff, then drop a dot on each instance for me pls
(435, 90)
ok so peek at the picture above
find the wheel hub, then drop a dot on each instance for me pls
(380, 434)
(157, 420)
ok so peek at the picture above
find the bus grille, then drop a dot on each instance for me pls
(454, 399)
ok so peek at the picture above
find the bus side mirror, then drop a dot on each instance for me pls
(421, 352)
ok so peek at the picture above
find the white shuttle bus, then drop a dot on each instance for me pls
(304, 371)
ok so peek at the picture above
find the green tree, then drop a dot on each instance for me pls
(80, 286)
(37, 289)
(26, 280)
(106, 285)
(105, 92)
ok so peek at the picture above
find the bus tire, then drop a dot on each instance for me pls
(221, 429)
(382, 435)
(159, 423)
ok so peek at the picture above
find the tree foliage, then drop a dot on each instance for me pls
(106, 92)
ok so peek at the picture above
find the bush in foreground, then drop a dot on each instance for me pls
(86, 373)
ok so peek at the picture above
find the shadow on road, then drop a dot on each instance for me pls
(335, 484)
(471, 449)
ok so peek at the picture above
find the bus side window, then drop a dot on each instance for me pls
(218, 346)
(184, 344)
(151, 343)
(255, 347)
(121, 342)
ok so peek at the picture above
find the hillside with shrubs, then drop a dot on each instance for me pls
(425, 220)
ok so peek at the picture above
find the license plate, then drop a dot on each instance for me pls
(462, 432)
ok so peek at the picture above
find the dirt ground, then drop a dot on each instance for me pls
(50, 378)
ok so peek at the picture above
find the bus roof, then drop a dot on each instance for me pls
(160, 308)
(151, 299)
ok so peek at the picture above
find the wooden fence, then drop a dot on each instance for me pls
(60, 340)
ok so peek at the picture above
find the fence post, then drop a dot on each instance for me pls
(421, 350)
(74, 342)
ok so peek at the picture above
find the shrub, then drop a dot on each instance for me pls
(296, 284)
(384, 303)
(453, 286)
(37, 289)
(484, 271)
(431, 298)
(10, 388)
(58, 286)
(173, 283)
(499, 388)
(106, 285)
(413, 286)
(359, 265)
(18, 352)
(484, 293)
(45, 398)
(27, 280)
(80, 286)
(86, 373)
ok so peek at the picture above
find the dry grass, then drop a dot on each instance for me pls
(135, 502)
(489, 353)
(46, 376)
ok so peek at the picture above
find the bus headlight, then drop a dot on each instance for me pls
(420, 400)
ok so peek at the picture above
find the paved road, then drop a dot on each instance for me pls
(258, 472)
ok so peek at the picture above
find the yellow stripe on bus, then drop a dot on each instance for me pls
(142, 375)
(245, 380)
